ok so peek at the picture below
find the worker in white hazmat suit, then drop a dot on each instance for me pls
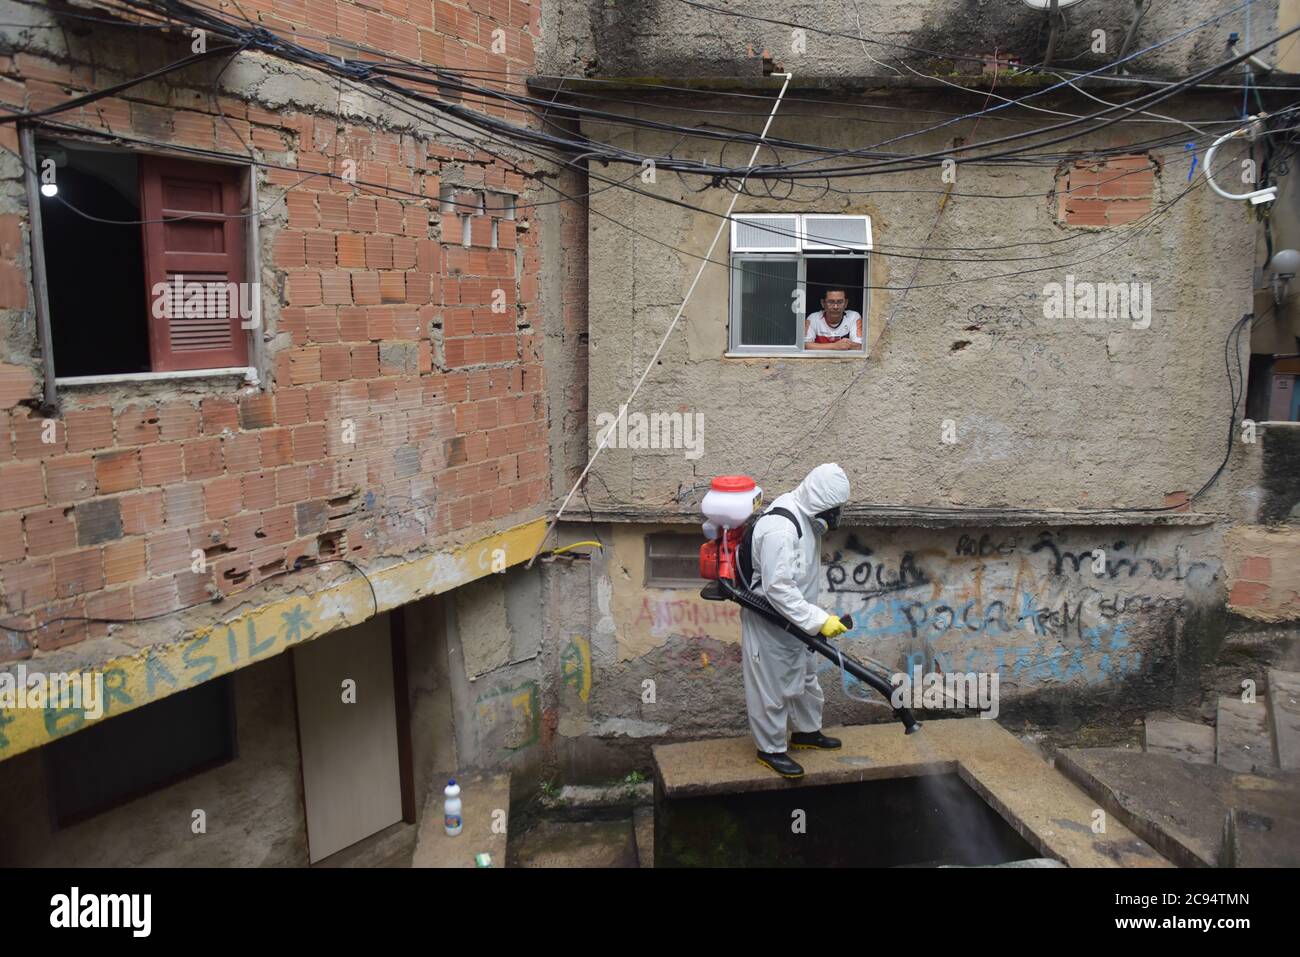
(780, 680)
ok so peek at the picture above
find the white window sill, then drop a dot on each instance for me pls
(248, 373)
(809, 354)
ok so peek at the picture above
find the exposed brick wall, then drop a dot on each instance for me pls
(1109, 192)
(1263, 566)
(380, 309)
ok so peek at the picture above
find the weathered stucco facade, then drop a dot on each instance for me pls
(1023, 481)
(1020, 477)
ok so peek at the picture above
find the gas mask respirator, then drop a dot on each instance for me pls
(827, 520)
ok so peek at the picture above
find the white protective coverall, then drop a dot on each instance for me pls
(780, 680)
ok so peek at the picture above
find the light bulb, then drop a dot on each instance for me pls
(49, 189)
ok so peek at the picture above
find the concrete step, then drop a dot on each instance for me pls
(1266, 834)
(643, 827)
(1177, 738)
(1179, 808)
(482, 796)
(1242, 741)
(1284, 716)
(567, 844)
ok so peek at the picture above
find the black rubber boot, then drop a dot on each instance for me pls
(814, 740)
(781, 763)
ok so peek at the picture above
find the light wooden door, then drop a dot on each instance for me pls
(350, 775)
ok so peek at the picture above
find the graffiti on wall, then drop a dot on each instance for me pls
(575, 666)
(134, 680)
(691, 617)
(1039, 606)
(509, 717)
(1036, 608)
(175, 668)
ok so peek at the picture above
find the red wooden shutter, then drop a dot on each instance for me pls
(194, 246)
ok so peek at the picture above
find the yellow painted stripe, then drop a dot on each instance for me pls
(264, 632)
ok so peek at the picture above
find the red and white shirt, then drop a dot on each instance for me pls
(819, 330)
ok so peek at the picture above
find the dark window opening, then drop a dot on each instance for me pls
(95, 270)
(121, 758)
(839, 273)
(144, 262)
(672, 560)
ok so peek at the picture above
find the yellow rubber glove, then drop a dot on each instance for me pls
(833, 627)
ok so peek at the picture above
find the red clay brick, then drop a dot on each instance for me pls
(142, 513)
(259, 490)
(162, 464)
(202, 459)
(79, 573)
(257, 411)
(90, 429)
(137, 425)
(70, 478)
(276, 447)
(168, 552)
(155, 597)
(242, 453)
(219, 415)
(222, 497)
(124, 561)
(1256, 569)
(183, 505)
(28, 584)
(49, 530)
(117, 471)
(1244, 594)
(177, 420)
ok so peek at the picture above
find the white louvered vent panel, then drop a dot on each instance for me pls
(836, 232)
(764, 233)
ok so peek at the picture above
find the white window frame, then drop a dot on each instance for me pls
(653, 581)
(804, 251)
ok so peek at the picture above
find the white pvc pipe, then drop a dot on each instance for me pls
(1255, 196)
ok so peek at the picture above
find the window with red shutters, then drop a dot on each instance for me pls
(194, 264)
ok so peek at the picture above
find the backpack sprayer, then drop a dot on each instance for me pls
(726, 561)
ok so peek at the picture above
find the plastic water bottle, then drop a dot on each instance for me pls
(451, 808)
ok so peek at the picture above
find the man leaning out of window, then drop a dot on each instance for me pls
(834, 327)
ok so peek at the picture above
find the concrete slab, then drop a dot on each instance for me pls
(482, 796)
(575, 844)
(1180, 808)
(1254, 838)
(1242, 741)
(1187, 740)
(1045, 808)
(643, 826)
(1284, 717)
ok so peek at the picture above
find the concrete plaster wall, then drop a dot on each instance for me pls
(493, 635)
(1068, 643)
(1048, 413)
(665, 39)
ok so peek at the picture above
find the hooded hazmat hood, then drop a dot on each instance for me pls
(825, 487)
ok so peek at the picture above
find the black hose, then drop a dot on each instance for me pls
(761, 606)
